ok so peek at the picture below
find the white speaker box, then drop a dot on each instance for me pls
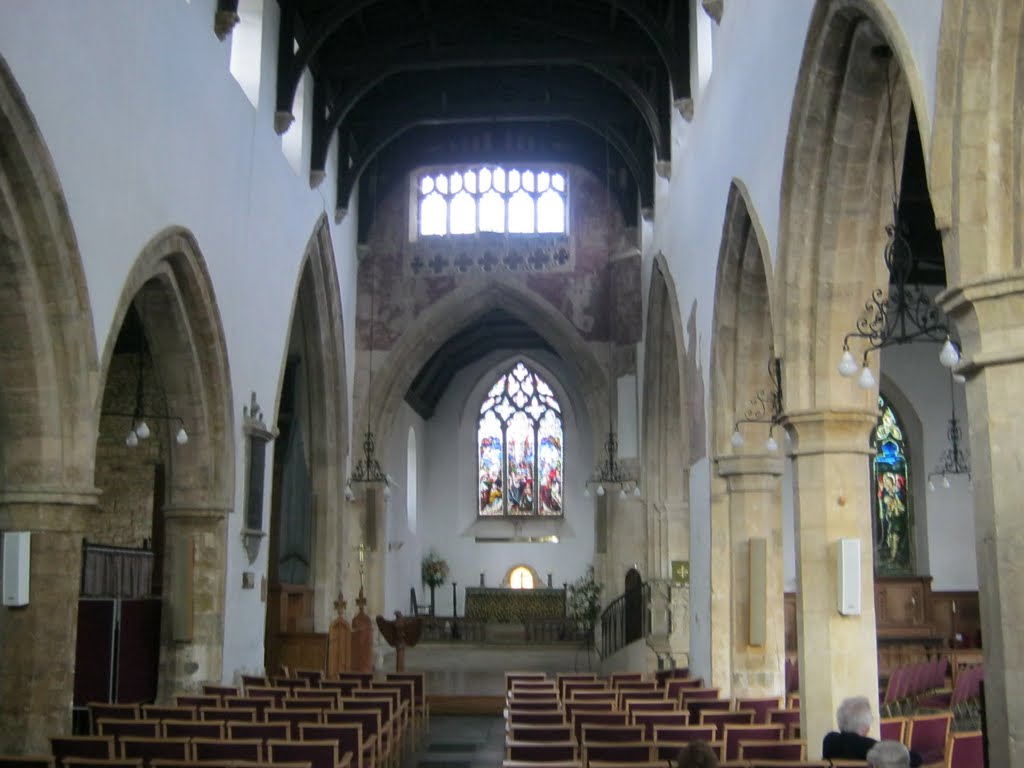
(848, 576)
(17, 545)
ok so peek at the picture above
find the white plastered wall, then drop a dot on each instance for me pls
(148, 129)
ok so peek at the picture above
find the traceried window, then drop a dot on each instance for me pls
(519, 447)
(521, 578)
(492, 199)
(892, 519)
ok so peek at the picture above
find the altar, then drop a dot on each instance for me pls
(514, 606)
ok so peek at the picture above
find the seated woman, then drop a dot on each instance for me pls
(852, 742)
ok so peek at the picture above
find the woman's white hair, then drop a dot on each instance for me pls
(854, 714)
(889, 754)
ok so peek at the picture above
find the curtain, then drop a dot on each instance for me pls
(296, 512)
(116, 572)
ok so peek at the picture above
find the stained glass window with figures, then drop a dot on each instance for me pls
(519, 447)
(892, 510)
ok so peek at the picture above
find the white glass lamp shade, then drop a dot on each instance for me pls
(931, 484)
(132, 440)
(847, 365)
(866, 380)
(600, 490)
(182, 437)
(736, 439)
(142, 429)
(586, 491)
(636, 491)
(770, 444)
(945, 482)
(949, 356)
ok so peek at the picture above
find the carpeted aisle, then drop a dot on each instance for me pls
(461, 741)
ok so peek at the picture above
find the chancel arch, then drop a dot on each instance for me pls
(746, 506)
(836, 195)
(306, 551)
(167, 318)
(48, 384)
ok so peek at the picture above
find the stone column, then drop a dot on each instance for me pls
(195, 573)
(38, 640)
(755, 513)
(837, 654)
(988, 315)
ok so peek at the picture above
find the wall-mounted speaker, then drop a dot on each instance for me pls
(848, 576)
(17, 547)
(758, 590)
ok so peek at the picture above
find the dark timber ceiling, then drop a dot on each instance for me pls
(404, 83)
(495, 330)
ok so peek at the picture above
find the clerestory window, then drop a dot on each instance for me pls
(491, 199)
(519, 447)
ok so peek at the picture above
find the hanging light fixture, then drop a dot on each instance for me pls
(609, 474)
(139, 429)
(764, 408)
(368, 470)
(953, 461)
(903, 313)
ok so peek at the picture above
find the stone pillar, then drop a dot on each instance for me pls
(988, 315)
(837, 654)
(721, 588)
(195, 573)
(755, 513)
(38, 640)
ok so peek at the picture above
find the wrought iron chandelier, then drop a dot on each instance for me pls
(903, 313)
(139, 428)
(764, 408)
(368, 470)
(609, 475)
(953, 461)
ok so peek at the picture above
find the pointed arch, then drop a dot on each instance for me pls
(170, 289)
(48, 372)
(460, 309)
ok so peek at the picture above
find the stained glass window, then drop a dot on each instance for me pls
(892, 513)
(519, 447)
(491, 199)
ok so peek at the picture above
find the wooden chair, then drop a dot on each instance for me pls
(197, 700)
(220, 691)
(168, 712)
(541, 752)
(684, 733)
(788, 717)
(321, 702)
(773, 749)
(100, 747)
(698, 705)
(94, 762)
(158, 762)
(149, 749)
(340, 687)
(573, 707)
(257, 680)
(511, 677)
(617, 764)
(551, 764)
(313, 676)
(111, 711)
(291, 683)
(966, 749)
(259, 730)
(619, 751)
(277, 695)
(893, 728)
(250, 750)
(294, 718)
(735, 735)
(363, 679)
(376, 738)
(537, 705)
(189, 729)
(257, 703)
(316, 754)
(421, 705)
(721, 718)
(223, 714)
(602, 732)
(534, 717)
(760, 705)
(27, 761)
(119, 728)
(620, 679)
(560, 732)
(651, 719)
(608, 719)
(348, 736)
(792, 764)
(927, 735)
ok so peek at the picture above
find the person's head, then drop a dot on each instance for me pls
(889, 754)
(697, 754)
(854, 715)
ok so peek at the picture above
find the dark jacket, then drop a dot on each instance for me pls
(853, 746)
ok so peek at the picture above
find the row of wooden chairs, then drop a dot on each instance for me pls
(49, 761)
(644, 751)
(908, 683)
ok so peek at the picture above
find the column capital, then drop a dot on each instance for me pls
(987, 314)
(835, 430)
(47, 509)
(732, 465)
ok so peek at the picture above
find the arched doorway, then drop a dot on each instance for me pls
(633, 593)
